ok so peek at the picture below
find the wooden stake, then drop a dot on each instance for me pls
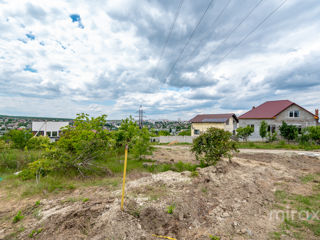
(124, 175)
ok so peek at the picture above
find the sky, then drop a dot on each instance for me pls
(176, 58)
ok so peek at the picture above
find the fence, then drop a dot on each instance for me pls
(168, 139)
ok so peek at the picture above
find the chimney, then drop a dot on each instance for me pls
(316, 112)
(253, 107)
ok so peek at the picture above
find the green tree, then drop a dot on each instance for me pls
(141, 143)
(263, 129)
(213, 144)
(81, 144)
(19, 138)
(289, 132)
(126, 132)
(244, 132)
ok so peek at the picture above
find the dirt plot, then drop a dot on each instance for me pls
(229, 200)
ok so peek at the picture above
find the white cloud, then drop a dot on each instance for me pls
(107, 66)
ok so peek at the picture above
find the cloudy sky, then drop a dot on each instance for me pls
(59, 58)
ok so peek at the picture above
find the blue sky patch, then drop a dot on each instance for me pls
(76, 18)
(30, 36)
(28, 68)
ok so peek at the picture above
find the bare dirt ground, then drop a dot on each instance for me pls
(229, 200)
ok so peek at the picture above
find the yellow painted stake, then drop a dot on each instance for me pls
(124, 175)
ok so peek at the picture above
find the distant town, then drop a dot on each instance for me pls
(21, 122)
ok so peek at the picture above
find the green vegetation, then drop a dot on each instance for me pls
(212, 237)
(210, 146)
(244, 132)
(300, 212)
(185, 133)
(263, 129)
(35, 232)
(171, 208)
(18, 217)
(289, 132)
(276, 145)
(19, 138)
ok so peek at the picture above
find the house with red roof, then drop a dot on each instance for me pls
(273, 113)
(202, 122)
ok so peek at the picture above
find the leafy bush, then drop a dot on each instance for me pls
(185, 133)
(19, 138)
(314, 133)
(289, 132)
(41, 142)
(263, 129)
(244, 132)
(3, 145)
(164, 133)
(213, 144)
(271, 137)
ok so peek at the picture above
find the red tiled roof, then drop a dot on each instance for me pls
(205, 118)
(268, 109)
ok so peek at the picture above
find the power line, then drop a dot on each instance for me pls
(190, 37)
(168, 36)
(243, 39)
(233, 30)
(213, 23)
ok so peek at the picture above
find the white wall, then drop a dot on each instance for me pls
(48, 126)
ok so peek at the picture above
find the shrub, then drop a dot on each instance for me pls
(19, 138)
(41, 142)
(244, 132)
(289, 132)
(210, 146)
(314, 133)
(263, 129)
(185, 133)
(272, 136)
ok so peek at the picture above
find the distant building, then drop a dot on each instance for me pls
(201, 123)
(273, 113)
(50, 129)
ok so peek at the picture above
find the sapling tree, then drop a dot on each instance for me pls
(244, 132)
(263, 129)
(213, 144)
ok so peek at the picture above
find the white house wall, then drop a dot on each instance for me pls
(304, 120)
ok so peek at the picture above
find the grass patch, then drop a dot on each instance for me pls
(303, 210)
(13, 160)
(276, 145)
(307, 178)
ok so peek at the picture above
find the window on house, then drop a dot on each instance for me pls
(269, 128)
(196, 132)
(227, 123)
(252, 126)
(48, 134)
(54, 134)
(296, 113)
(291, 114)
